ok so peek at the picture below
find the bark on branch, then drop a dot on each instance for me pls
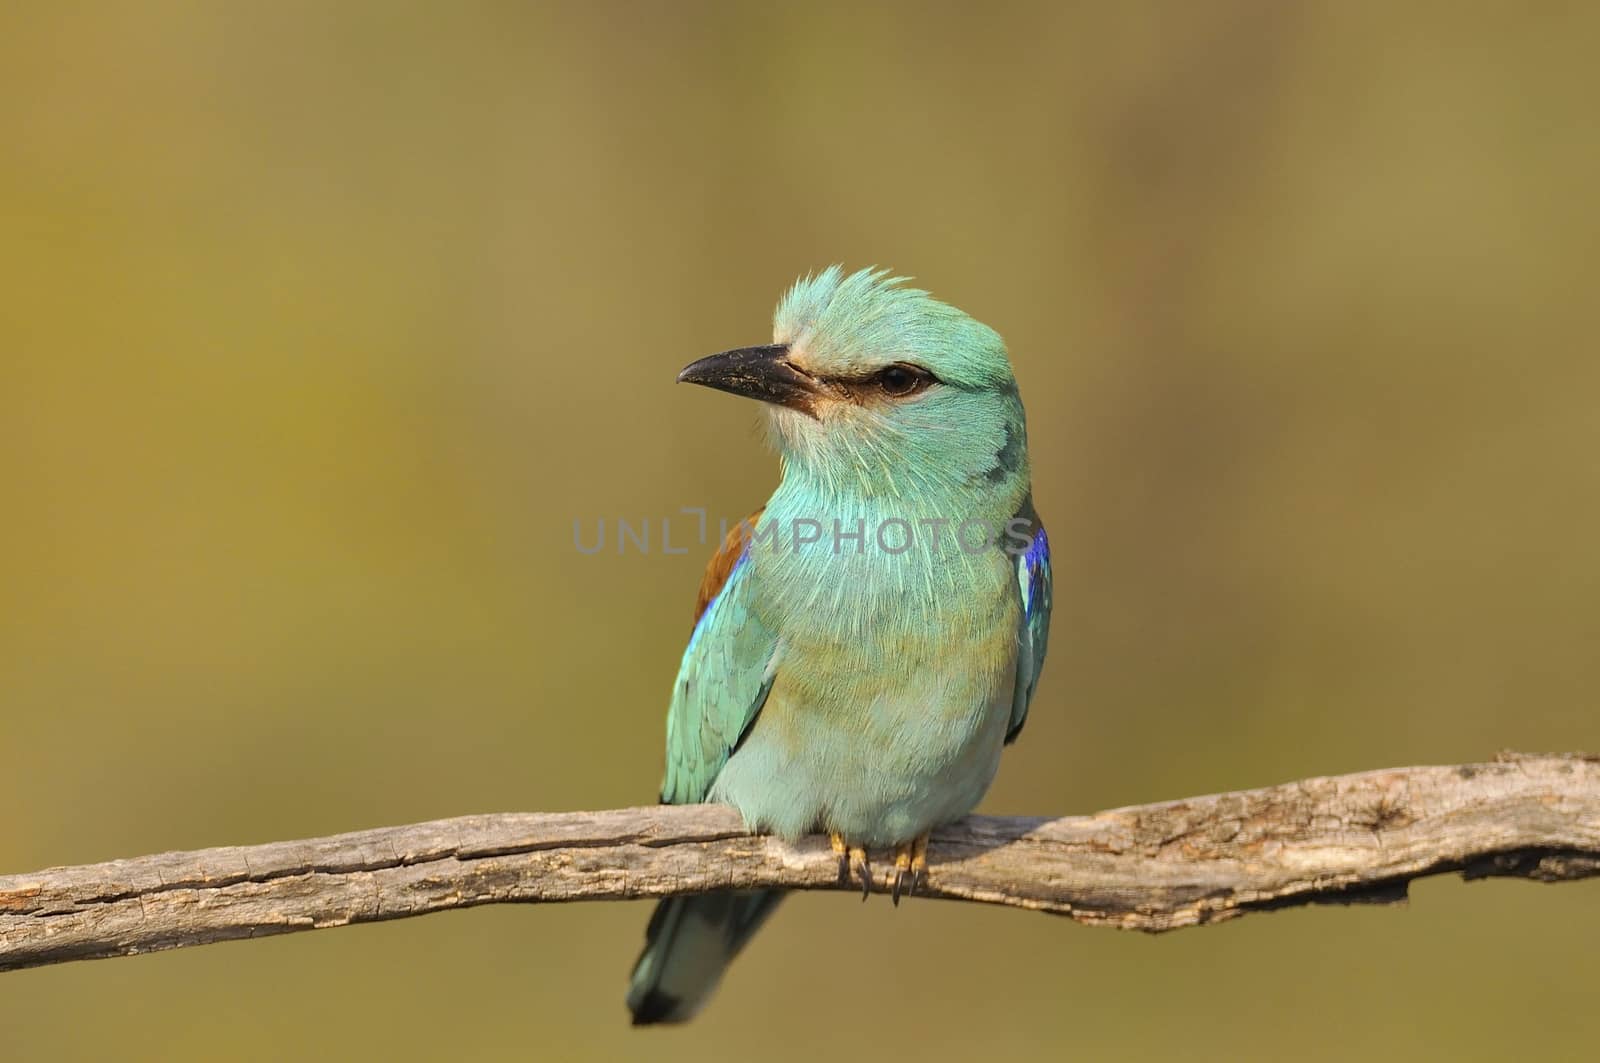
(1350, 838)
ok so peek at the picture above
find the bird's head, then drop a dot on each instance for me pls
(881, 388)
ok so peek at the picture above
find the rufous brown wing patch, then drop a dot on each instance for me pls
(722, 562)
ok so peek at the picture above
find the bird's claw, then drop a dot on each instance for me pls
(853, 862)
(910, 867)
(862, 868)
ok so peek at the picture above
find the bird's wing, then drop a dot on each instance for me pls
(721, 565)
(724, 678)
(1033, 580)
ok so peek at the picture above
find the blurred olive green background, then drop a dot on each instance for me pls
(320, 324)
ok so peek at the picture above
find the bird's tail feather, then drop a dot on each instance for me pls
(689, 943)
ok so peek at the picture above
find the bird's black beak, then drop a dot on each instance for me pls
(763, 373)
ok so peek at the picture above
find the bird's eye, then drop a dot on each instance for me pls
(900, 380)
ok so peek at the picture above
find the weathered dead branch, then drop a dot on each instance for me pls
(1351, 838)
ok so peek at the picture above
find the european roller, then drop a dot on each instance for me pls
(866, 642)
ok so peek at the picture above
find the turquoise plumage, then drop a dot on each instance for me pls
(874, 635)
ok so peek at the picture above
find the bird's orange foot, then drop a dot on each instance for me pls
(852, 862)
(910, 866)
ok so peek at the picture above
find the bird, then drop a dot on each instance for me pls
(866, 642)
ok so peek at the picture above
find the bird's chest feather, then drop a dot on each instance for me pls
(891, 692)
(884, 612)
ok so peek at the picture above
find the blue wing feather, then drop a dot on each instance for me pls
(722, 684)
(1033, 581)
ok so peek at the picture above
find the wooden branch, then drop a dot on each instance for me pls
(1152, 867)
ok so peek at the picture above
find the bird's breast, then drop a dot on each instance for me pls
(891, 685)
(876, 645)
